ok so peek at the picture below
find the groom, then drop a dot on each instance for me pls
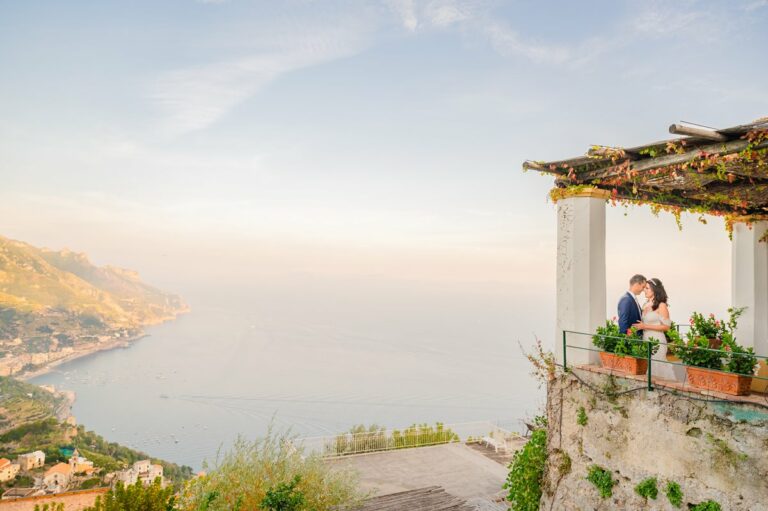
(629, 307)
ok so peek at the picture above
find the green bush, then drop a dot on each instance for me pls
(602, 480)
(526, 472)
(53, 506)
(674, 493)
(647, 488)
(709, 505)
(93, 482)
(242, 477)
(136, 497)
(581, 417)
(284, 497)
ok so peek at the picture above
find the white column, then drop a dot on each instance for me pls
(749, 283)
(580, 271)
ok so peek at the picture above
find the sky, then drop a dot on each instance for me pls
(228, 140)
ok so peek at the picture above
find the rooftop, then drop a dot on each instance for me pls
(462, 471)
(432, 498)
(707, 170)
(60, 468)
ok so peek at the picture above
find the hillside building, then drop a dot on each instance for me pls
(31, 460)
(57, 478)
(8, 470)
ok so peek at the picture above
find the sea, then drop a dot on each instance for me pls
(314, 357)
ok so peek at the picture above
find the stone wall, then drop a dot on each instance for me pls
(73, 501)
(714, 450)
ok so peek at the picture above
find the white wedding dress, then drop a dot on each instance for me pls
(662, 369)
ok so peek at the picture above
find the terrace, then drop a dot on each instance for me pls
(705, 171)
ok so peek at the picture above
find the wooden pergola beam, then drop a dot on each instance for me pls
(694, 130)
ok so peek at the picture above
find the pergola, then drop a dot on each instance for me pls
(722, 172)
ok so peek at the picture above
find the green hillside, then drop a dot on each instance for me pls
(44, 292)
(28, 422)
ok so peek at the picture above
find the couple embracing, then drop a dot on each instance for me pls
(651, 319)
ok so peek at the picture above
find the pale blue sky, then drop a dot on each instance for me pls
(355, 138)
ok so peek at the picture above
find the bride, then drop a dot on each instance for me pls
(654, 323)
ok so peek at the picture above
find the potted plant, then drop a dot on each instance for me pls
(620, 351)
(722, 366)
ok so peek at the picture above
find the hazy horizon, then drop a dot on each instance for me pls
(218, 145)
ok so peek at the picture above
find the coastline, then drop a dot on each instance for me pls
(96, 348)
(111, 344)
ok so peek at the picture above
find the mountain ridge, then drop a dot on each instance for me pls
(55, 299)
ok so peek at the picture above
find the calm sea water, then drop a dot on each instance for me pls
(313, 356)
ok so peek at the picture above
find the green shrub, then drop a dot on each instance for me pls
(90, 483)
(53, 506)
(284, 497)
(134, 497)
(647, 488)
(709, 505)
(526, 472)
(674, 493)
(241, 478)
(602, 480)
(581, 417)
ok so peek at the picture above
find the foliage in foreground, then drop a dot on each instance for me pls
(526, 473)
(284, 497)
(136, 497)
(602, 480)
(252, 472)
(54, 506)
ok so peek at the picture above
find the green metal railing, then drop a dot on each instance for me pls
(649, 355)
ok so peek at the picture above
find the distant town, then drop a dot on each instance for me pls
(34, 477)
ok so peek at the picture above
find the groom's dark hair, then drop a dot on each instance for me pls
(637, 279)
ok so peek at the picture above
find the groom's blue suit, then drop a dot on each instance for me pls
(629, 312)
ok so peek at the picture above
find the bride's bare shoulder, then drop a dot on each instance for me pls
(663, 308)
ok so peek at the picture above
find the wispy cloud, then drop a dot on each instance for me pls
(508, 42)
(406, 11)
(758, 4)
(193, 98)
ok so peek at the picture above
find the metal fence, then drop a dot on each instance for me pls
(649, 355)
(419, 435)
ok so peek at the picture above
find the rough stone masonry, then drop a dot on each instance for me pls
(713, 449)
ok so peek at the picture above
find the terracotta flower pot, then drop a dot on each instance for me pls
(627, 364)
(727, 383)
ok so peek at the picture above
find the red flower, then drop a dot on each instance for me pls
(614, 318)
(727, 348)
(717, 324)
(711, 315)
(629, 331)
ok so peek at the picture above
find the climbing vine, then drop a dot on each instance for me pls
(526, 473)
(628, 186)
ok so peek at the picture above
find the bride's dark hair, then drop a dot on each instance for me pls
(659, 293)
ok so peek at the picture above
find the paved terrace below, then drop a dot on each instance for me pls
(463, 471)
